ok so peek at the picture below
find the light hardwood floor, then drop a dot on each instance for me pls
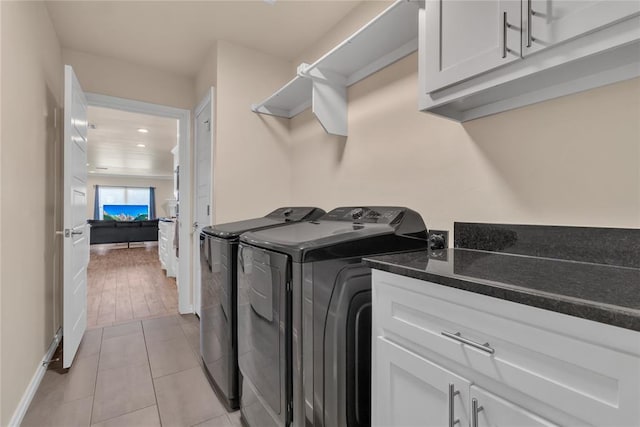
(126, 284)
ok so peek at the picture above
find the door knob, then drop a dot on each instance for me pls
(68, 233)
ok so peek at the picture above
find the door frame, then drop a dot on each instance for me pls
(185, 285)
(209, 98)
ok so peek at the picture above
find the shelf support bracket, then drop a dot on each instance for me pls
(328, 98)
(316, 74)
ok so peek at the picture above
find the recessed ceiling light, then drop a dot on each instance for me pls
(140, 145)
(87, 164)
(92, 171)
(143, 130)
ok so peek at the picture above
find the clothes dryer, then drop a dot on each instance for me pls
(218, 321)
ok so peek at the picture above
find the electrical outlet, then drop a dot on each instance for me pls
(438, 239)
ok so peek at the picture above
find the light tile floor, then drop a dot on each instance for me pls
(143, 373)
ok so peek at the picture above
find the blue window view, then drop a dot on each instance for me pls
(126, 212)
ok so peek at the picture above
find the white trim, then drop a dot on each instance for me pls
(214, 127)
(113, 175)
(27, 397)
(208, 99)
(185, 285)
(98, 100)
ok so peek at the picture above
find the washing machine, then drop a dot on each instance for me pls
(304, 315)
(218, 321)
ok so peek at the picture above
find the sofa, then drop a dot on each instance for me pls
(123, 231)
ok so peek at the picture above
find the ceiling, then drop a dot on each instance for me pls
(113, 144)
(176, 35)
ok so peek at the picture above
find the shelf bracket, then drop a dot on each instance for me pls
(316, 74)
(322, 85)
(328, 98)
(329, 105)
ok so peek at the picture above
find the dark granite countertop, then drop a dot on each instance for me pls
(603, 293)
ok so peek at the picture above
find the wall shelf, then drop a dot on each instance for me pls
(289, 101)
(390, 36)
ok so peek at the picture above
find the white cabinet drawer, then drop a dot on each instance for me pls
(592, 382)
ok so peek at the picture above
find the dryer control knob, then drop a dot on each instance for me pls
(357, 213)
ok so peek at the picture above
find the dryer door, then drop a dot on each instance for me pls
(217, 317)
(262, 330)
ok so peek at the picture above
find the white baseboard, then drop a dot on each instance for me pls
(27, 397)
(189, 309)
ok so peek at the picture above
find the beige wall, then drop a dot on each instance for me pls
(164, 190)
(208, 74)
(348, 25)
(112, 77)
(31, 87)
(252, 157)
(1, 382)
(569, 161)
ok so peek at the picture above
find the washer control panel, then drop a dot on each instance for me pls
(295, 213)
(371, 215)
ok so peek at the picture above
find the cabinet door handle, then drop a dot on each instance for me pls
(475, 409)
(458, 337)
(529, 15)
(452, 416)
(505, 25)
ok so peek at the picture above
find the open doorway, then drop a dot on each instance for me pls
(138, 190)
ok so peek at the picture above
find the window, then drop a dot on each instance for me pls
(140, 198)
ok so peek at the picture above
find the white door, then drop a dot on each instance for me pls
(493, 411)
(412, 391)
(76, 229)
(546, 23)
(203, 214)
(467, 38)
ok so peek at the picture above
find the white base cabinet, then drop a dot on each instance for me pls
(442, 354)
(490, 410)
(166, 252)
(413, 391)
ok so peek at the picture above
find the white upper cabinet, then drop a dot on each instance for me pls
(466, 38)
(481, 57)
(546, 23)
